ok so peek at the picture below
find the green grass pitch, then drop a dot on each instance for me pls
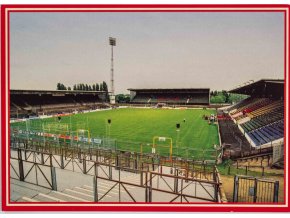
(133, 126)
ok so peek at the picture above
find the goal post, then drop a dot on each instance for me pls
(56, 132)
(163, 144)
(55, 127)
(81, 135)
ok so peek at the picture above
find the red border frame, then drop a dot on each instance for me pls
(132, 8)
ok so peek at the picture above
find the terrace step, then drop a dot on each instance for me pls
(26, 199)
(48, 198)
(102, 190)
(67, 197)
(79, 194)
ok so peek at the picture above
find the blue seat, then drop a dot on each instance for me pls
(253, 138)
(269, 136)
(258, 137)
(269, 132)
(265, 138)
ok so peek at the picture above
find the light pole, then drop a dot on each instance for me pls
(177, 135)
(112, 42)
(109, 127)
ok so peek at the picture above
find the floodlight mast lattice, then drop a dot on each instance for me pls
(112, 42)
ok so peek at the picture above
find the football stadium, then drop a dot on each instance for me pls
(167, 129)
(165, 145)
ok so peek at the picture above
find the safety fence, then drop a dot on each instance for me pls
(159, 187)
(255, 190)
(175, 181)
(83, 139)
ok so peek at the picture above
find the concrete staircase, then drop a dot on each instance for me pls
(82, 193)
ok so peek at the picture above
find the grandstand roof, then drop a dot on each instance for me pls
(52, 92)
(274, 87)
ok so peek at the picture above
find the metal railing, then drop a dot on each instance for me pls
(249, 189)
(183, 180)
(181, 188)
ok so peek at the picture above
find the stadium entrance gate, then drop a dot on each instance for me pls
(249, 189)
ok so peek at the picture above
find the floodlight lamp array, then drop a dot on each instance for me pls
(112, 41)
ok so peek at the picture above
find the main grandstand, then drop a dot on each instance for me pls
(170, 96)
(172, 167)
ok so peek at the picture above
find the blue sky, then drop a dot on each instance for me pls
(165, 50)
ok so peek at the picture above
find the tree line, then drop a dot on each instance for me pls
(123, 98)
(84, 87)
(220, 97)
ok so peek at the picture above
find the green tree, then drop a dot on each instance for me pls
(94, 87)
(97, 87)
(105, 87)
(58, 86)
(226, 95)
(122, 98)
(217, 99)
(68, 88)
